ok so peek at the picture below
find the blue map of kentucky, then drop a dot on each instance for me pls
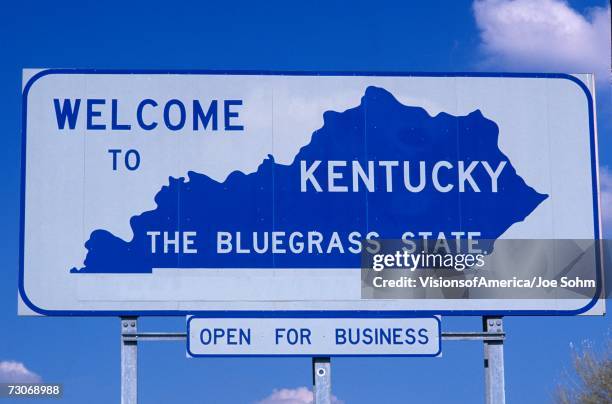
(378, 170)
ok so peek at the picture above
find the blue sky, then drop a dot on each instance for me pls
(83, 353)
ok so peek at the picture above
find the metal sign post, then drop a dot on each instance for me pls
(129, 360)
(495, 391)
(321, 380)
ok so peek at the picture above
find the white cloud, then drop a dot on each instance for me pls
(544, 35)
(300, 395)
(549, 35)
(605, 183)
(16, 372)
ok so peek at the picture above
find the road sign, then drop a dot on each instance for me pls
(313, 336)
(181, 192)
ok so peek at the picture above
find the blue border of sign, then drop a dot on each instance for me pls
(310, 313)
(318, 354)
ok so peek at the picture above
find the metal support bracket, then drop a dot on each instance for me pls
(153, 336)
(473, 336)
(492, 335)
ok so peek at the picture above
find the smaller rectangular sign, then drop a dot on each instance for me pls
(313, 336)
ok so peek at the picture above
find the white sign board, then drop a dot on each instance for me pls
(180, 192)
(313, 336)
